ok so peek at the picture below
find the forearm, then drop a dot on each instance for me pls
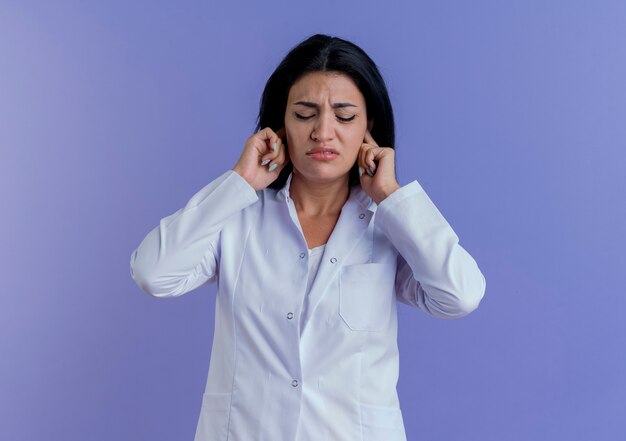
(184, 242)
(449, 276)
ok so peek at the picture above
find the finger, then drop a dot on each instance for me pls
(278, 160)
(363, 151)
(362, 157)
(277, 165)
(275, 156)
(270, 138)
(367, 159)
(359, 159)
(380, 152)
(266, 134)
(368, 138)
(375, 155)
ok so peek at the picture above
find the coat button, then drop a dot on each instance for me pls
(333, 260)
(302, 255)
(361, 216)
(290, 315)
(294, 383)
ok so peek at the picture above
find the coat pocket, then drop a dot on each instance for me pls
(366, 294)
(382, 423)
(214, 414)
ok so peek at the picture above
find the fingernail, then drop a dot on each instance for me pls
(360, 171)
(273, 167)
(370, 171)
(267, 161)
(275, 146)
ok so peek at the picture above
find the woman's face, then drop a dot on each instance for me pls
(325, 122)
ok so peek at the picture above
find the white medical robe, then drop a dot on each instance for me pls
(330, 373)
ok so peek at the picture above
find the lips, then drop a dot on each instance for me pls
(322, 150)
(324, 153)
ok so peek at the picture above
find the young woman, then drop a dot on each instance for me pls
(311, 241)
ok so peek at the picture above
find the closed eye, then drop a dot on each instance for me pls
(302, 116)
(311, 116)
(346, 119)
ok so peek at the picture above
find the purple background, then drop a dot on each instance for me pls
(511, 116)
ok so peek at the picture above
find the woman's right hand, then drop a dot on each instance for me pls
(264, 156)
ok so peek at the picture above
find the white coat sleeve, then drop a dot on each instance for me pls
(179, 254)
(434, 273)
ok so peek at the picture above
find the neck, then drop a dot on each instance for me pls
(318, 198)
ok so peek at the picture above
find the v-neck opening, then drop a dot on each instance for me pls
(316, 250)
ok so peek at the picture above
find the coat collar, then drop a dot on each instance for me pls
(357, 194)
(354, 220)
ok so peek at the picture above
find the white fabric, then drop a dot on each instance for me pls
(334, 378)
(315, 258)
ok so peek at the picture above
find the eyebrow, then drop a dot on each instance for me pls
(315, 106)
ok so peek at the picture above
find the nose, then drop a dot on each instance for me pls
(324, 129)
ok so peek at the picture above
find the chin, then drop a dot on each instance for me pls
(325, 175)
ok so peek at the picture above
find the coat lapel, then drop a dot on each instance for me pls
(353, 221)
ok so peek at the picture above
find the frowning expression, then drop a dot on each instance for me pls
(325, 122)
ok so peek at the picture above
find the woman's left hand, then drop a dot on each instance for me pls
(376, 168)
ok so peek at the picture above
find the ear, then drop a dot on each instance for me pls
(370, 124)
(282, 134)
